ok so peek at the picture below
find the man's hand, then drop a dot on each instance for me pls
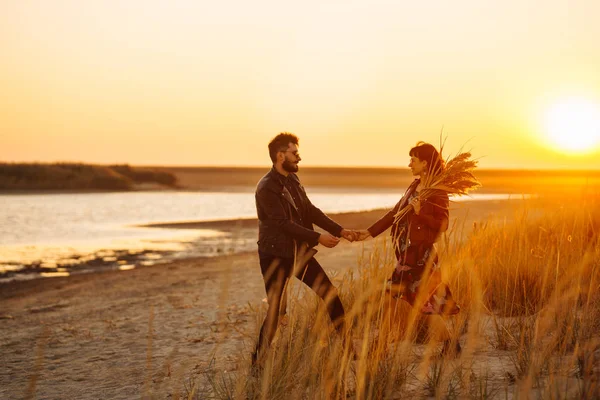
(328, 240)
(349, 235)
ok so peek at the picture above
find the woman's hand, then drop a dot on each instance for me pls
(416, 203)
(362, 234)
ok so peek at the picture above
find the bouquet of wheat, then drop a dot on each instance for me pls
(455, 179)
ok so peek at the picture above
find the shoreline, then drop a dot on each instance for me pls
(242, 236)
(226, 225)
(243, 189)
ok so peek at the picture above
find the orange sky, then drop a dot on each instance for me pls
(209, 83)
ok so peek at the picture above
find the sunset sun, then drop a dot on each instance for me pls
(573, 125)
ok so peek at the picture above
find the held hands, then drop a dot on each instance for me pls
(349, 235)
(355, 235)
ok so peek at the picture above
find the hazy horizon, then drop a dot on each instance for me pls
(310, 167)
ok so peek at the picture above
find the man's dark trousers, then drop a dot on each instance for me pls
(276, 271)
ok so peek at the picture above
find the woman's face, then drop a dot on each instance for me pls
(417, 167)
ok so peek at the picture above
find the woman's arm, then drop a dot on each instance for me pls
(384, 222)
(388, 219)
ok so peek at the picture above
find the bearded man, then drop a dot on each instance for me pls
(286, 238)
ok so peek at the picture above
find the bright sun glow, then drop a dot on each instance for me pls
(574, 125)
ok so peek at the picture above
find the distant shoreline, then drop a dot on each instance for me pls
(244, 179)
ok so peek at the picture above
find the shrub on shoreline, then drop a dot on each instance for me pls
(78, 176)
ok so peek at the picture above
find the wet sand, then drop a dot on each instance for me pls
(123, 334)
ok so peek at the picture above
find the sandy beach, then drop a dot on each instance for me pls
(144, 332)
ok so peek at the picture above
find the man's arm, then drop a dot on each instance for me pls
(320, 219)
(270, 203)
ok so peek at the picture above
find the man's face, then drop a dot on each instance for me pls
(417, 167)
(291, 158)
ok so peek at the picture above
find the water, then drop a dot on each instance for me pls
(51, 227)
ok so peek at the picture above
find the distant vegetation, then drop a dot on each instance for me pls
(70, 176)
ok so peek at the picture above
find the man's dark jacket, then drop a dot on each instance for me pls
(284, 224)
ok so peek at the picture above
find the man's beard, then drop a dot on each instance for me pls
(290, 166)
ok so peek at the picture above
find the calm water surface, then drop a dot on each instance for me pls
(53, 226)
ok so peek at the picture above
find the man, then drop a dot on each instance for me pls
(286, 238)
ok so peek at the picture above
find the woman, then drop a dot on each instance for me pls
(414, 235)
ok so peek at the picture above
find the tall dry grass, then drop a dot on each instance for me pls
(529, 326)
